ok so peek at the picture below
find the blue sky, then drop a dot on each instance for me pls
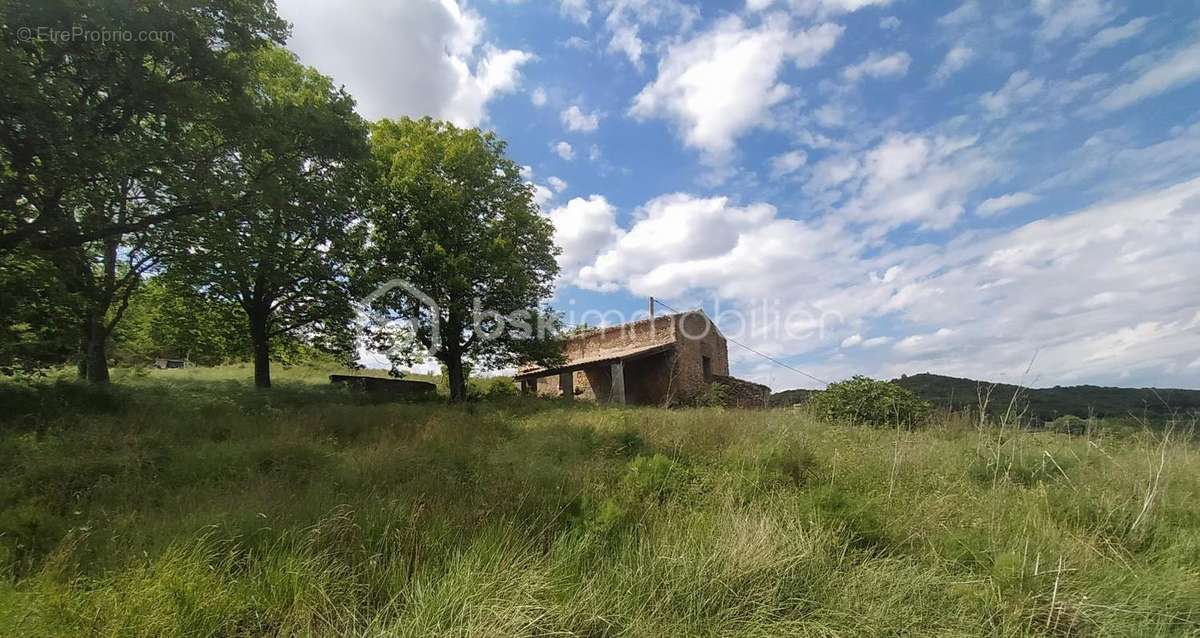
(853, 186)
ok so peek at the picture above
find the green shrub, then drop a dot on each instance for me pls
(870, 402)
(714, 395)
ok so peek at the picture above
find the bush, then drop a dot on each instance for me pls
(714, 395)
(867, 401)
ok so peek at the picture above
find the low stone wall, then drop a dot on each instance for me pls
(381, 386)
(743, 394)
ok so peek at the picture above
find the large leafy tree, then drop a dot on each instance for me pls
(454, 220)
(80, 114)
(286, 254)
(106, 140)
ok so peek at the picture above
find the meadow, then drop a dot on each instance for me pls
(186, 503)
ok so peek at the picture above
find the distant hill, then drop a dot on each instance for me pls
(1039, 403)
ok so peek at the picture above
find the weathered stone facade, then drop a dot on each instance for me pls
(662, 361)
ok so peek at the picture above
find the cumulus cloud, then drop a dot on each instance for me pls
(538, 97)
(575, 119)
(564, 150)
(627, 18)
(681, 242)
(996, 205)
(722, 83)
(877, 65)
(458, 73)
(556, 183)
(583, 228)
(1072, 287)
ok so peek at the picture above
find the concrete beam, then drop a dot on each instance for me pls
(566, 383)
(618, 383)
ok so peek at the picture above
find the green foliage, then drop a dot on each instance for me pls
(304, 511)
(34, 306)
(714, 395)
(454, 218)
(287, 255)
(160, 112)
(167, 318)
(870, 402)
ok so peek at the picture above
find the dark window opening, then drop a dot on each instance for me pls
(707, 363)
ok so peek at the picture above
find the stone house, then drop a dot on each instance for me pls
(664, 360)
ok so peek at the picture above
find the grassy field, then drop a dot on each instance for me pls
(184, 503)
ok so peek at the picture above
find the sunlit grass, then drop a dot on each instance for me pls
(184, 502)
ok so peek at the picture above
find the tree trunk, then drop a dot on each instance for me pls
(96, 357)
(261, 340)
(457, 377)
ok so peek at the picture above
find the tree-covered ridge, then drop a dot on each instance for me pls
(1044, 404)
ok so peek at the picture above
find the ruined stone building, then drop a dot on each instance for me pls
(665, 360)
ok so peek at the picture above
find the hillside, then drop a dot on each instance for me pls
(1049, 403)
(1039, 403)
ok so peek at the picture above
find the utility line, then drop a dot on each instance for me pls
(742, 345)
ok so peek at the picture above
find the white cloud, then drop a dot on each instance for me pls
(1111, 37)
(905, 179)
(458, 73)
(576, 10)
(538, 97)
(788, 163)
(1020, 87)
(542, 195)
(956, 60)
(1168, 72)
(594, 153)
(625, 40)
(1002, 203)
(879, 66)
(576, 120)
(1072, 287)
(564, 150)
(965, 13)
(1072, 18)
(556, 183)
(626, 19)
(722, 83)
(583, 228)
(827, 8)
(890, 23)
(576, 42)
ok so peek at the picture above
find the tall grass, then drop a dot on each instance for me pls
(189, 504)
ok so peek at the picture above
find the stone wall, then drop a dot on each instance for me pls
(743, 394)
(697, 338)
(599, 341)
